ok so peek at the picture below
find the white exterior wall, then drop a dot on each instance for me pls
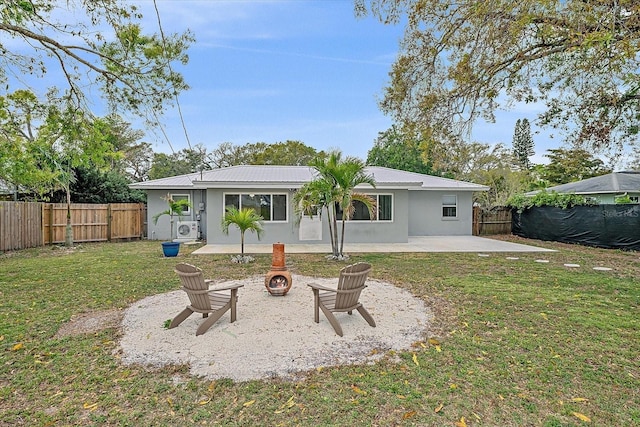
(155, 204)
(415, 213)
(288, 232)
(609, 198)
(276, 231)
(425, 214)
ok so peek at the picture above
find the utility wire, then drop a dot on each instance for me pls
(164, 45)
(164, 133)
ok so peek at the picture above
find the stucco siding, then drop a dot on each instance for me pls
(416, 208)
(425, 214)
(288, 232)
(156, 203)
(274, 231)
(415, 213)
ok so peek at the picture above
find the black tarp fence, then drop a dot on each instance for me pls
(603, 226)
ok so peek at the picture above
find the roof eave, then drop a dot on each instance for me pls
(244, 184)
(478, 188)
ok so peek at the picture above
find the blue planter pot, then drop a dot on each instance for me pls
(170, 249)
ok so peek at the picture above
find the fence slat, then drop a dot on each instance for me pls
(489, 222)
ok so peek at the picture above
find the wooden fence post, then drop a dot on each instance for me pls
(51, 231)
(109, 219)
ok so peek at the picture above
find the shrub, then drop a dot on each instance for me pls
(522, 202)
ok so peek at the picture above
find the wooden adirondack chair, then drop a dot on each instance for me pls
(203, 300)
(344, 298)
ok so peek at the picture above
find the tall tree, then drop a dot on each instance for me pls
(76, 140)
(483, 164)
(129, 154)
(187, 160)
(398, 150)
(138, 160)
(52, 138)
(92, 185)
(227, 154)
(196, 159)
(23, 149)
(97, 43)
(463, 160)
(292, 153)
(571, 165)
(463, 60)
(523, 146)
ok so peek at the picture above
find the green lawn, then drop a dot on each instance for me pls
(521, 343)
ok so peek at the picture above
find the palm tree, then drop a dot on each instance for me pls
(335, 187)
(174, 208)
(315, 197)
(350, 174)
(245, 219)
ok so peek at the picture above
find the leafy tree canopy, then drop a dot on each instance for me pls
(396, 150)
(196, 159)
(182, 162)
(92, 43)
(95, 186)
(571, 165)
(463, 60)
(291, 153)
(44, 144)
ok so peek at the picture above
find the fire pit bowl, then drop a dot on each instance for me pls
(278, 280)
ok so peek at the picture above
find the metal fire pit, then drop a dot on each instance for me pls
(278, 280)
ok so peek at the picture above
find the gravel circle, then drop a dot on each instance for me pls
(273, 337)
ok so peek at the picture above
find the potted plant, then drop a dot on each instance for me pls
(175, 208)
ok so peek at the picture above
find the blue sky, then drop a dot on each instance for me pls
(270, 71)
(277, 70)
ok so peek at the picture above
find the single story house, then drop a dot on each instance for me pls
(409, 204)
(604, 189)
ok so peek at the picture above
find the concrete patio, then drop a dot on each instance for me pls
(415, 244)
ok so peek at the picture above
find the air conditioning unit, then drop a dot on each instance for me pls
(187, 230)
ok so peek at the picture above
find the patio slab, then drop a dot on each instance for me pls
(415, 244)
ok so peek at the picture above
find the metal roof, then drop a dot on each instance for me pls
(263, 176)
(616, 182)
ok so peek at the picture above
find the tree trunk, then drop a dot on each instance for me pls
(242, 244)
(334, 233)
(342, 237)
(330, 230)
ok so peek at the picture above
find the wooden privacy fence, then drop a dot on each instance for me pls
(20, 225)
(26, 225)
(491, 221)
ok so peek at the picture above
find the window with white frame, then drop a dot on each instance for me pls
(449, 206)
(272, 207)
(187, 209)
(384, 204)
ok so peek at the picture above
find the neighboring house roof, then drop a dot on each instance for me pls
(6, 188)
(266, 176)
(616, 182)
